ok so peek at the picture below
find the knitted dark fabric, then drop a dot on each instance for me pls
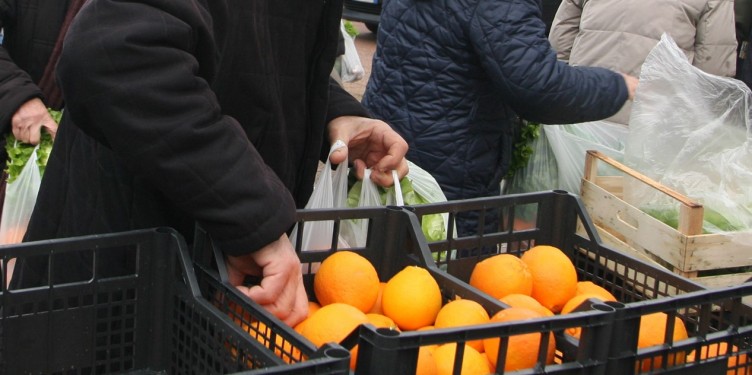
(52, 94)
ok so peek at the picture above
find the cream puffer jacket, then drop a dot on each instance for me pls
(619, 34)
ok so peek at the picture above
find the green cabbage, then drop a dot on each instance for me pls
(433, 225)
(19, 153)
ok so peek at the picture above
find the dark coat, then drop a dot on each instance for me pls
(452, 76)
(30, 28)
(185, 111)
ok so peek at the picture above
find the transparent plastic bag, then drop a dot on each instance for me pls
(351, 69)
(540, 173)
(418, 187)
(329, 191)
(569, 144)
(690, 131)
(20, 198)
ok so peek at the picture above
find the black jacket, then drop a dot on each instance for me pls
(184, 111)
(30, 28)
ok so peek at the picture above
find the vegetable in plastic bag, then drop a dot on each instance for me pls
(690, 131)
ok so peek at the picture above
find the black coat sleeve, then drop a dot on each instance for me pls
(141, 86)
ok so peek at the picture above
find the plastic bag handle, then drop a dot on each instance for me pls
(399, 200)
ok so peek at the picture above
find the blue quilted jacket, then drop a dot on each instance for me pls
(454, 77)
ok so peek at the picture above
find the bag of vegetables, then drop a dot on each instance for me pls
(418, 187)
(25, 167)
(691, 131)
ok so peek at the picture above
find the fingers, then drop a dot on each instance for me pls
(281, 291)
(27, 122)
(285, 300)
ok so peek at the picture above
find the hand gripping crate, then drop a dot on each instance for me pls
(641, 287)
(712, 259)
(151, 318)
(393, 243)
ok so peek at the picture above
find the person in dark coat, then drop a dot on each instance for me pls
(31, 29)
(452, 77)
(208, 112)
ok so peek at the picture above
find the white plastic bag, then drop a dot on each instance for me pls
(690, 131)
(540, 173)
(418, 187)
(351, 69)
(329, 191)
(570, 143)
(20, 197)
(355, 232)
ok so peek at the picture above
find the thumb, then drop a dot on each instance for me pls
(339, 154)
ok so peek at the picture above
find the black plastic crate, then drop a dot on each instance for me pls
(150, 319)
(393, 243)
(559, 219)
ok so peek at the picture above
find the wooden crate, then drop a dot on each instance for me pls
(715, 260)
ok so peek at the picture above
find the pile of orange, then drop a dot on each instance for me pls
(556, 289)
(541, 282)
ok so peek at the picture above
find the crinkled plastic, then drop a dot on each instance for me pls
(351, 69)
(540, 173)
(690, 131)
(418, 187)
(329, 191)
(570, 143)
(20, 198)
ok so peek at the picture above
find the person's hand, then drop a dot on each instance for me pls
(632, 83)
(281, 291)
(29, 120)
(370, 144)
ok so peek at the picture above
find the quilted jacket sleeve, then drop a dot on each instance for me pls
(715, 42)
(519, 58)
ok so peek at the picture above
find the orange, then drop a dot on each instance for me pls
(347, 277)
(578, 299)
(332, 323)
(591, 288)
(574, 303)
(463, 312)
(502, 274)
(426, 328)
(714, 350)
(426, 362)
(554, 276)
(473, 362)
(381, 321)
(652, 332)
(377, 306)
(522, 350)
(412, 298)
(523, 300)
(262, 333)
(313, 307)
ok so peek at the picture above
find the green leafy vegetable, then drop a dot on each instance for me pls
(432, 225)
(19, 153)
(351, 29)
(713, 221)
(523, 148)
